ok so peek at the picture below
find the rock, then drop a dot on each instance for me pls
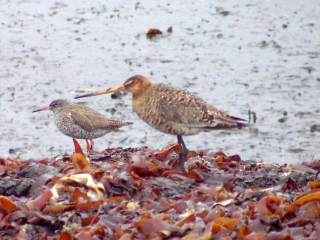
(315, 128)
(12, 186)
(34, 170)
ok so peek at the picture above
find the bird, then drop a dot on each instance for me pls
(80, 122)
(172, 110)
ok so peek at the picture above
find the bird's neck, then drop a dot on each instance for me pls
(139, 94)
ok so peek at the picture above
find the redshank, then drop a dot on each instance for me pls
(173, 111)
(81, 122)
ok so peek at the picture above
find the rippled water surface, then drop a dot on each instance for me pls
(259, 56)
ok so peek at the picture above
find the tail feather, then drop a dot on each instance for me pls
(237, 119)
(221, 126)
(227, 123)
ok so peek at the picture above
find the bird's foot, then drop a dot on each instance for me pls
(89, 149)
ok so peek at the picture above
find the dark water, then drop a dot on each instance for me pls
(261, 56)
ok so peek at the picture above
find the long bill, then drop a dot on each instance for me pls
(42, 109)
(110, 90)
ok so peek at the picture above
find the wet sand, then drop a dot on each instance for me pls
(249, 56)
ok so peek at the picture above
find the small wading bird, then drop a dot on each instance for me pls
(81, 122)
(173, 111)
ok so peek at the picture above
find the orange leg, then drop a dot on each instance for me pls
(92, 143)
(88, 146)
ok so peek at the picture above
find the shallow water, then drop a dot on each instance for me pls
(260, 56)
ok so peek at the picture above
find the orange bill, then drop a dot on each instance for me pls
(42, 109)
(110, 90)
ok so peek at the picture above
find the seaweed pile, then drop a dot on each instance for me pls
(146, 194)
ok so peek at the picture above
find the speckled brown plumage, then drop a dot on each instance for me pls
(173, 111)
(81, 122)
